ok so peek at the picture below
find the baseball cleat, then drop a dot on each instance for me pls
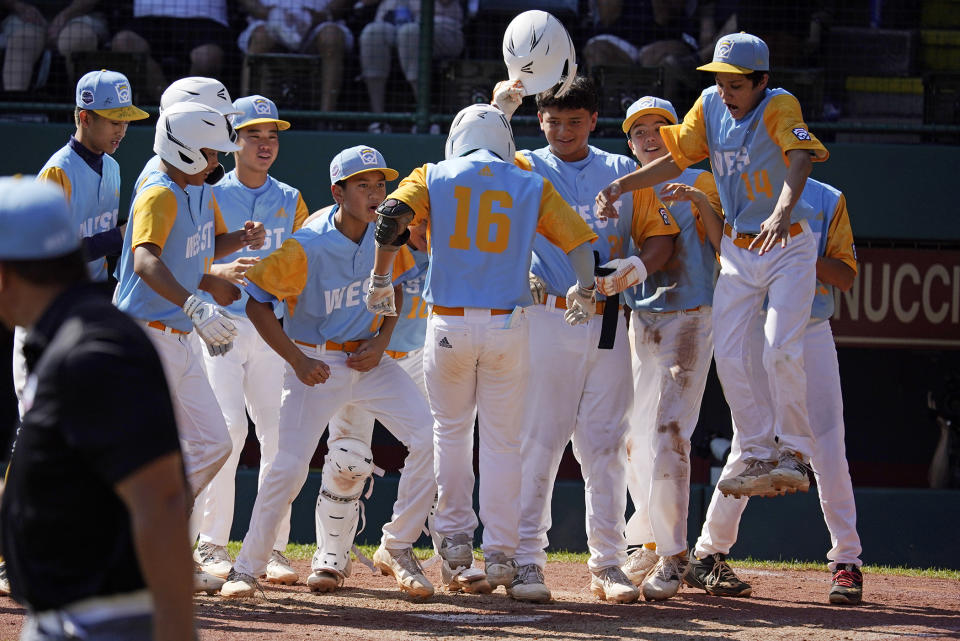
(528, 585)
(280, 571)
(847, 587)
(405, 568)
(611, 584)
(324, 581)
(499, 569)
(205, 582)
(639, 563)
(755, 480)
(712, 575)
(238, 586)
(791, 474)
(4, 581)
(214, 559)
(663, 581)
(457, 568)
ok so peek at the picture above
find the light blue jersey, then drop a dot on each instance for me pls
(152, 165)
(188, 247)
(411, 329)
(330, 305)
(94, 199)
(823, 200)
(687, 279)
(578, 183)
(274, 204)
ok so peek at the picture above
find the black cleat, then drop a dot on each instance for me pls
(714, 576)
(847, 588)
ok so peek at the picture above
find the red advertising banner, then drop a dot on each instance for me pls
(901, 298)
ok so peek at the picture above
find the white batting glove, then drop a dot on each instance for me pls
(507, 96)
(380, 297)
(628, 272)
(581, 305)
(538, 289)
(219, 350)
(212, 323)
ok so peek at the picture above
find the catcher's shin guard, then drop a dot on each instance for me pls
(345, 470)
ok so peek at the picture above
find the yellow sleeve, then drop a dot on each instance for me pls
(57, 176)
(522, 162)
(559, 223)
(301, 214)
(283, 273)
(154, 212)
(650, 217)
(687, 142)
(785, 126)
(413, 191)
(219, 226)
(840, 237)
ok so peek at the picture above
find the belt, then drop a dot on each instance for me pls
(677, 311)
(561, 303)
(164, 328)
(97, 609)
(395, 355)
(743, 240)
(330, 346)
(440, 310)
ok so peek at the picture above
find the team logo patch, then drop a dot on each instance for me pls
(646, 103)
(665, 216)
(368, 157)
(801, 133)
(725, 48)
(261, 106)
(123, 92)
(86, 96)
(335, 171)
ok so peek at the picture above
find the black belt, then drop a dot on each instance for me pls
(611, 313)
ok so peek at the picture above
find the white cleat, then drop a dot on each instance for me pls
(755, 480)
(324, 581)
(213, 559)
(664, 581)
(239, 585)
(205, 582)
(639, 563)
(280, 571)
(457, 568)
(528, 585)
(790, 475)
(611, 584)
(499, 569)
(405, 568)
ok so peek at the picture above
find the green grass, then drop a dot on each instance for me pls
(301, 552)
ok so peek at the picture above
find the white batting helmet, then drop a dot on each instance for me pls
(185, 129)
(539, 52)
(480, 127)
(206, 91)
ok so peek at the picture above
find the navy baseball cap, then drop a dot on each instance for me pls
(256, 110)
(108, 94)
(357, 160)
(35, 220)
(739, 53)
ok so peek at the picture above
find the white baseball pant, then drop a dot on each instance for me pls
(829, 462)
(787, 277)
(581, 392)
(392, 398)
(672, 358)
(478, 362)
(248, 378)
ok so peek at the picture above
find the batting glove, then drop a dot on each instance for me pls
(212, 323)
(380, 297)
(627, 273)
(538, 289)
(581, 305)
(507, 96)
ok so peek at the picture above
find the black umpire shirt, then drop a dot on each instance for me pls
(98, 409)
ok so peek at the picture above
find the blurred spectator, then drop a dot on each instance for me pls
(645, 32)
(301, 26)
(32, 27)
(397, 25)
(792, 30)
(171, 30)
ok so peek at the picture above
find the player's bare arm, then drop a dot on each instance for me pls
(252, 235)
(223, 291)
(657, 171)
(371, 351)
(150, 268)
(156, 497)
(309, 370)
(711, 219)
(834, 271)
(234, 271)
(776, 228)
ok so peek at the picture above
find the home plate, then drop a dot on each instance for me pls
(470, 617)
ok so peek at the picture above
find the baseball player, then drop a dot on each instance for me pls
(577, 390)
(248, 378)
(483, 213)
(672, 343)
(760, 152)
(334, 355)
(169, 238)
(836, 267)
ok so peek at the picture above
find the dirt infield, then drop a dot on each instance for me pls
(786, 605)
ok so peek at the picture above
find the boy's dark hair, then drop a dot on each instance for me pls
(581, 95)
(76, 114)
(756, 77)
(68, 269)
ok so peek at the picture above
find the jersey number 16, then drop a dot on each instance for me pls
(488, 222)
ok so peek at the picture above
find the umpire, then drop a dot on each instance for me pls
(94, 516)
